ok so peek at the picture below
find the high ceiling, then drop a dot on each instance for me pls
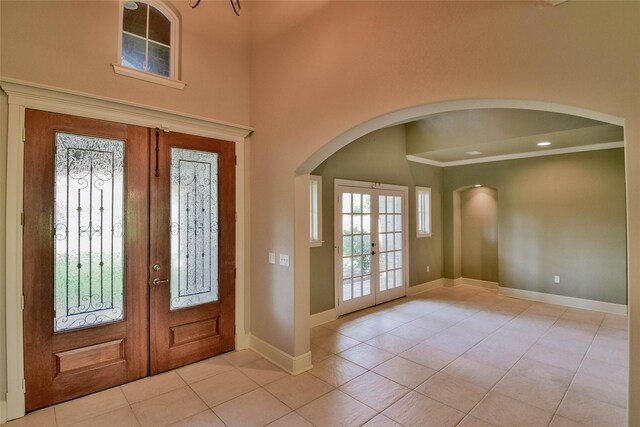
(472, 136)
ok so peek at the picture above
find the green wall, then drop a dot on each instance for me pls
(377, 157)
(557, 215)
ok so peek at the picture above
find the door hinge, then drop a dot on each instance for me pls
(22, 218)
(235, 273)
(24, 134)
(22, 302)
(235, 160)
(338, 300)
(24, 385)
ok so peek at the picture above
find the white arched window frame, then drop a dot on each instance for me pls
(174, 51)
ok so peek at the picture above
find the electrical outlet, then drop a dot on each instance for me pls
(427, 268)
(284, 260)
(272, 257)
(556, 279)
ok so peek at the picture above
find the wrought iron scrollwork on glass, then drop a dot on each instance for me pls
(194, 227)
(88, 231)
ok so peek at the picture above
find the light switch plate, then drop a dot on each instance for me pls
(284, 260)
(272, 257)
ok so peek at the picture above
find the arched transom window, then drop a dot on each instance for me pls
(148, 38)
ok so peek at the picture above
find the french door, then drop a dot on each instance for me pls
(371, 245)
(128, 253)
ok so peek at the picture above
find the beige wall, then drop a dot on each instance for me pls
(479, 233)
(320, 69)
(377, 157)
(71, 44)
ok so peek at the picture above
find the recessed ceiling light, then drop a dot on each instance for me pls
(473, 153)
(478, 185)
(131, 5)
(543, 143)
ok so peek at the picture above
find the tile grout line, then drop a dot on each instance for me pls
(520, 358)
(564, 396)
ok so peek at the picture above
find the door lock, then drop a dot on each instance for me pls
(156, 267)
(157, 282)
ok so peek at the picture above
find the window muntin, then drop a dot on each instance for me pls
(315, 210)
(423, 211)
(148, 39)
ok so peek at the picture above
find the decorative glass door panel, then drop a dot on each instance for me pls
(370, 258)
(89, 235)
(194, 227)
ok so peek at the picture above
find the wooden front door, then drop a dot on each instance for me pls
(85, 251)
(128, 253)
(192, 262)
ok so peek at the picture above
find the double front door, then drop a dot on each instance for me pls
(128, 253)
(371, 245)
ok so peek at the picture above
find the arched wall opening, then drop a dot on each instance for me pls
(301, 215)
(475, 236)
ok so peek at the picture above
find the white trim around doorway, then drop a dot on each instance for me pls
(374, 186)
(24, 95)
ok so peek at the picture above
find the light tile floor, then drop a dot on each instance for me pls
(453, 356)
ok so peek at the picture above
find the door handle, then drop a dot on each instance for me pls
(157, 282)
(373, 252)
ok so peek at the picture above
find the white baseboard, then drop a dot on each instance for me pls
(323, 317)
(3, 412)
(587, 304)
(476, 282)
(243, 341)
(423, 287)
(292, 365)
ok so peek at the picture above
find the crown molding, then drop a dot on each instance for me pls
(49, 98)
(526, 155)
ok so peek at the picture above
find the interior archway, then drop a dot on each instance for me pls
(301, 221)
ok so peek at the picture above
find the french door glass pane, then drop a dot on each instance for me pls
(390, 238)
(356, 245)
(88, 231)
(194, 227)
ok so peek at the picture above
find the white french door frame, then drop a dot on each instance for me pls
(375, 189)
(24, 95)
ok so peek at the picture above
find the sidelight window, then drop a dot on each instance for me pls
(423, 212)
(315, 210)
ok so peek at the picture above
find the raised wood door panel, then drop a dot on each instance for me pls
(183, 332)
(68, 355)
